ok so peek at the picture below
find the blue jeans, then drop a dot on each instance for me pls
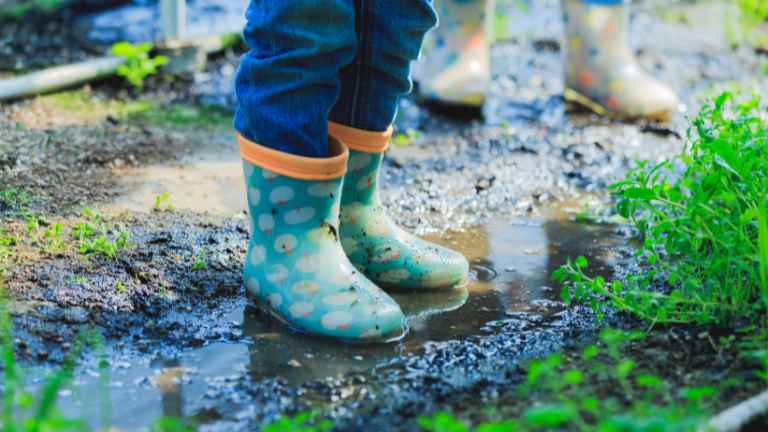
(311, 61)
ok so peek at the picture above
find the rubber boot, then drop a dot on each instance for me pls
(602, 72)
(455, 68)
(296, 268)
(389, 256)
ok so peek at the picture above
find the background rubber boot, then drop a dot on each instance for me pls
(455, 67)
(295, 267)
(602, 72)
(389, 256)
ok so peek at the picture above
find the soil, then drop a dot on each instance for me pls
(484, 186)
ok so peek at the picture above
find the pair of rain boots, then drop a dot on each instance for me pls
(322, 246)
(601, 71)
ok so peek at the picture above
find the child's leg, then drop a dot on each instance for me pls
(601, 69)
(289, 80)
(390, 34)
(295, 267)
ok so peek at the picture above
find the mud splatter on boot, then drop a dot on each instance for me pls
(386, 254)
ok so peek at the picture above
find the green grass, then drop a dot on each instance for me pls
(25, 411)
(95, 237)
(14, 200)
(702, 219)
(7, 251)
(19, 8)
(600, 388)
(748, 24)
(302, 422)
(139, 111)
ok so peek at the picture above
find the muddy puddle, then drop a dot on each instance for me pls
(511, 264)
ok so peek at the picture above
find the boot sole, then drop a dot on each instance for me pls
(267, 310)
(580, 99)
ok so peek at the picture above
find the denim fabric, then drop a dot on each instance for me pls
(390, 34)
(314, 60)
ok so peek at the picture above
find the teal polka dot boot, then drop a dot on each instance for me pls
(296, 268)
(389, 256)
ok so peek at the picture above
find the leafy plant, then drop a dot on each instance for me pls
(14, 199)
(93, 237)
(172, 424)
(703, 224)
(200, 262)
(602, 390)
(162, 202)
(7, 251)
(745, 26)
(408, 138)
(102, 245)
(138, 62)
(302, 422)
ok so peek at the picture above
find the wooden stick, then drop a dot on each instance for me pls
(58, 77)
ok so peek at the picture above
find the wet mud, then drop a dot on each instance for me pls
(230, 365)
(505, 189)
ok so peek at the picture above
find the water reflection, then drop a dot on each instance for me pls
(511, 266)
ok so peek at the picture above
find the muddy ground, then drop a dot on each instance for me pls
(504, 189)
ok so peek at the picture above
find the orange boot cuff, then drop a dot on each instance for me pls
(298, 167)
(361, 140)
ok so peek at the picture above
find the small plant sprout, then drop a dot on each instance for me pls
(408, 138)
(162, 202)
(78, 280)
(138, 62)
(7, 250)
(302, 422)
(120, 287)
(200, 261)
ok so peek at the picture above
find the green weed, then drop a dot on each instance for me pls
(178, 115)
(77, 280)
(19, 8)
(7, 251)
(602, 390)
(90, 107)
(14, 200)
(93, 236)
(747, 26)
(408, 138)
(703, 226)
(302, 422)
(162, 202)
(138, 63)
(120, 287)
(23, 411)
(200, 261)
(172, 424)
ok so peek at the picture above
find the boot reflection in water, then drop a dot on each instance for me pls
(602, 72)
(317, 94)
